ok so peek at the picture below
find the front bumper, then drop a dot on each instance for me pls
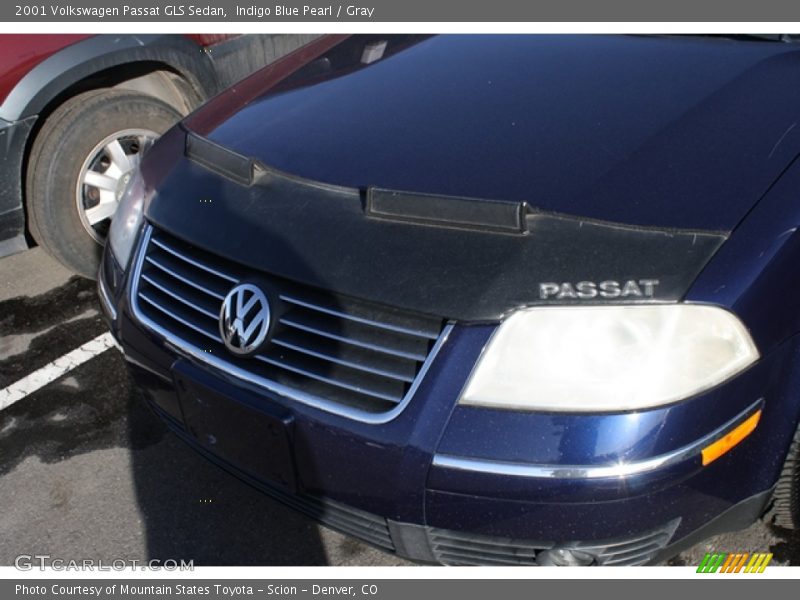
(422, 484)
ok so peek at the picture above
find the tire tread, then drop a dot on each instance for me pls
(53, 221)
(785, 509)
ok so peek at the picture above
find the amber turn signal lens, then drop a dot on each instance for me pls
(730, 440)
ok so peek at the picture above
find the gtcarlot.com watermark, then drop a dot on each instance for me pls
(29, 562)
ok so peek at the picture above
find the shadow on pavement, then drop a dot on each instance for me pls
(190, 509)
(787, 551)
(193, 510)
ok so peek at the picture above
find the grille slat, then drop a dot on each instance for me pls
(486, 551)
(345, 363)
(332, 515)
(431, 335)
(166, 268)
(338, 382)
(449, 558)
(171, 313)
(641, 554)
(360, 524)
(321, 330)
(180, 298)
(371, 533)
(352, 356)
(193, 262)
(624, 545)
(455, 547)
(466, 540)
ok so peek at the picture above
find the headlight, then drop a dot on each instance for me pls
(127, 220)
(608, 358)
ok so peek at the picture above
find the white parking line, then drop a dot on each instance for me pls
(52, 371)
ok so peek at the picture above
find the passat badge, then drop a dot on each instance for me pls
(244, 319)
(587, 290)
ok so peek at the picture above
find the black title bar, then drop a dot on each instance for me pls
(466, 11)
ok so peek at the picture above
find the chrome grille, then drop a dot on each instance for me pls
(336, 353)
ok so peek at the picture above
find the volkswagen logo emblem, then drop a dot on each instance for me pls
(244, 319)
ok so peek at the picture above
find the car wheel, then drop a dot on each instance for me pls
(78, 166)
(785, 509)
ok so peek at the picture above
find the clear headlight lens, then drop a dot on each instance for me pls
(127, 220)
(608, 358)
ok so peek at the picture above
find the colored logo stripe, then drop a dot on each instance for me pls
(734, 563)
(711, 562)
(758, 563)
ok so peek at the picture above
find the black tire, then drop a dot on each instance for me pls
(785, 509)
(66, 140)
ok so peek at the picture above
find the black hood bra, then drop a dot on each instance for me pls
(458, 258)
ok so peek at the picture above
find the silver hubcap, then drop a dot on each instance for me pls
(104, 176)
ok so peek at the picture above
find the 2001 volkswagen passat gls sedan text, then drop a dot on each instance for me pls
(524, 300)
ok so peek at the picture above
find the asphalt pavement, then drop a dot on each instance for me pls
(88, 472)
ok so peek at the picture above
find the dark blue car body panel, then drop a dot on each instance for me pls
(684, 133)
(691, 134)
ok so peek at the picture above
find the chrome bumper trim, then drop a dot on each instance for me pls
(105, 299)
(617, 470)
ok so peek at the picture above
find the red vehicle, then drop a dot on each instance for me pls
(78, 111)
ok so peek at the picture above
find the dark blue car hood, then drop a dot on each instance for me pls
(612, 161)
(667, 132)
